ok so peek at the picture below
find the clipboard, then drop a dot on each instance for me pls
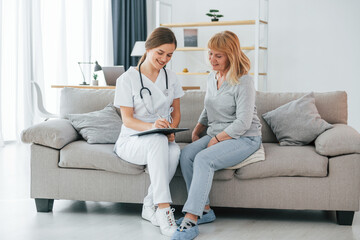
(161, 130)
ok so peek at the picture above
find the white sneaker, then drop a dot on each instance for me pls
(166, 220)
(148, 213)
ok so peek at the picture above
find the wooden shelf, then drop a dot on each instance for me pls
(191, 49)
(204, 24)
(190, 88)
(192, 73)
(253, 48)
(260, 74)
(205, 49)
(108, 87)
(83, 86)
(206, 73)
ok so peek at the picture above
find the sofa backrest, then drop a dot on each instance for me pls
(75, 100)
(332, 106)
(191, 105)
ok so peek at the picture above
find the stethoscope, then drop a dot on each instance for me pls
(145, 88)
(148, 90)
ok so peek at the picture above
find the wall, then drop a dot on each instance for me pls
(313, 45)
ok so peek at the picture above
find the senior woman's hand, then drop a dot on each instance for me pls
(219, 138)
(194, 137)
(212, 142)
(199, 128)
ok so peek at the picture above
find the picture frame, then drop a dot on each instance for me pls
(190, 37)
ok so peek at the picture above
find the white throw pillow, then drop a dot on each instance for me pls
(257, 156)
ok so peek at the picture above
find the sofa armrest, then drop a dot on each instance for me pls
(53, 133)
(339, 140)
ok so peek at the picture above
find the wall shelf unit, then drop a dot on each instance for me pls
(190, 49)
(205, 49)
(254, 48)
(192, 73)
(208, 24)
(207, 73)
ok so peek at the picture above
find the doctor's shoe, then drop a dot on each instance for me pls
(166, 220)
(206, 218)
(148, 213)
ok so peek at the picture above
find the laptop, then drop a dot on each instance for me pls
(112, 73)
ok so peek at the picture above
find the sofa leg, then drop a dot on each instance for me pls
(345, 217)
(44, 205)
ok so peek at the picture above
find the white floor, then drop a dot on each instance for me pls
(93, 220)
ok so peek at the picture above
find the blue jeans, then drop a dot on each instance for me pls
(198, 164)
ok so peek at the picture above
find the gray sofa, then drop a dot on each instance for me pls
(322, 176)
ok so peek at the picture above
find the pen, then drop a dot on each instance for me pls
(162, 117)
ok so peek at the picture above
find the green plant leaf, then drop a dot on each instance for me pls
(210, 15)
(214, 10)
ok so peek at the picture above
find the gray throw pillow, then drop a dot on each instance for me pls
(297, 122)
(98, 127)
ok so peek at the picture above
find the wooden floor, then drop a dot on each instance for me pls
(94, 220)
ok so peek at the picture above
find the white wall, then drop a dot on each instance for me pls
(313, 45)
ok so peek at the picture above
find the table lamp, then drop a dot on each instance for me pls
(96, 68)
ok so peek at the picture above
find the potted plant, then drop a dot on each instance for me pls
(95, 82)
(213, 13)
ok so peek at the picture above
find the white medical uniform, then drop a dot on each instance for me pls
(153, 150)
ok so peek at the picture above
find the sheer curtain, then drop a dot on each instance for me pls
(16, 64)
(42, 41)
(1, 135)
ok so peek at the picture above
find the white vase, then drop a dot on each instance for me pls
(95, 82)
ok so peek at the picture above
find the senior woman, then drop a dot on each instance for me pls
(233, 130)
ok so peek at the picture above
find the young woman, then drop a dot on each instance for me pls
(233, 130)
(149, 97)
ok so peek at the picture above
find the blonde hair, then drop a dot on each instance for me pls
(228, 43)
(158, 37)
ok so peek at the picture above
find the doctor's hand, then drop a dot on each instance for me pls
(161, 123)
(171, 137)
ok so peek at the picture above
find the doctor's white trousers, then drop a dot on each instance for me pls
(161, 158)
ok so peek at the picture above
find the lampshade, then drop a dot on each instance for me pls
(97, 67)
(139, 49)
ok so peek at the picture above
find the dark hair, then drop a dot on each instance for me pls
(158, 37)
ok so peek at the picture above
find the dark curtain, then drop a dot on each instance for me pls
(129, 26)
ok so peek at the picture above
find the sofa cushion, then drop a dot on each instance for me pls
(286, 161)
(52, 133)
(75, 100)
(80, 154)
(223, 175)
(342, 139)
(102, 126)
(332, 107)
(297, 122)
